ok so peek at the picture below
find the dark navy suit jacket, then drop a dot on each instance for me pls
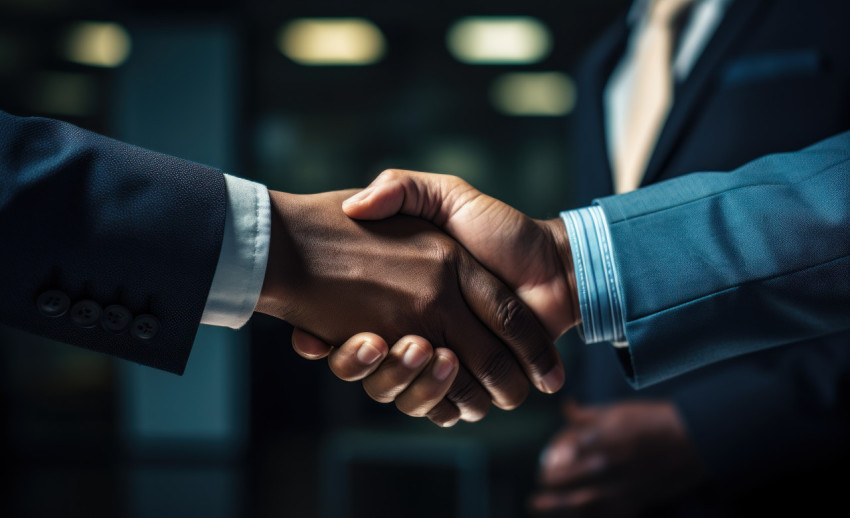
(774, 78)
(105, 245)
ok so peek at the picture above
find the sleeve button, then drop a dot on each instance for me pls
(53, 303)
(116, 319)
(86, 313)
(145, 328)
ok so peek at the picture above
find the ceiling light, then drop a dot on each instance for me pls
(499, 40)
(547, 94)
(332, 41)
(98, 44)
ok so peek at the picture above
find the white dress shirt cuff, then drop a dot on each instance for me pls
(241, 267)
(597, 281)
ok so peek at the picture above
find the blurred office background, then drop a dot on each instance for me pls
(304, 96)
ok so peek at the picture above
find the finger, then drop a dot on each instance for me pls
(488, 360)
(513, 323)
(573, 458)
(558, 455)
(430, 386)
(578, 414)
(444, 413)
(468, 396)
(566, 500)
(308, 346)
(582, 470)
(406, 359)
(358, 357)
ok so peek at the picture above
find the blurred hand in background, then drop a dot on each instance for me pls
(616, 461)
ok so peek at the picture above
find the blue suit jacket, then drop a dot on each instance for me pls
(111, 224)
(774, 78)
(716, 265)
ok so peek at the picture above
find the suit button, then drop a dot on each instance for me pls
(116, 318)
(86, 313)
(145, 328)
(53, 303)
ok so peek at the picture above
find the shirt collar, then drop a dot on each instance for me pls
(639, 8)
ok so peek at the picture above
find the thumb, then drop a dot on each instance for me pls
(424, 195)
(375, 202)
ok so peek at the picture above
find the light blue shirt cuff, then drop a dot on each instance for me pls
(241, 267)
(597, 281)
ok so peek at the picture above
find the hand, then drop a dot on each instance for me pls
(334, 277)
(616, 460)
(532, 256)
(412, 374)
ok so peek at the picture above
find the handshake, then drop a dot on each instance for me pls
(470, 292)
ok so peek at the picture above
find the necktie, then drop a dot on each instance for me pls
(652, 94)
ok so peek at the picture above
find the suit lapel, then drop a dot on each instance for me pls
(594, 173)
(689, 94)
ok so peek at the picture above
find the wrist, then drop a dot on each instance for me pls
(276, 295)
(565, 292)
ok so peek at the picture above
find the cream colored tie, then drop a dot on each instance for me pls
(652, 94)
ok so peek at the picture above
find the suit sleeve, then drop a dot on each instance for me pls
(800, 393)
(105, 245)
(715, 265)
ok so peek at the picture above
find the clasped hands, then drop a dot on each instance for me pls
(470, 292)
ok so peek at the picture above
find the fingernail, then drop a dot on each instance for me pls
(414, 356)
(449, 424)
(368, 354)
(357, 198)
(552, 381)
(442, 368)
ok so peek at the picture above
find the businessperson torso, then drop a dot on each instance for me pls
(773, 76)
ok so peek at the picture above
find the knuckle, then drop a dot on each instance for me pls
(446, 253)
(515, 397)
(511, 319)
(499, 373)
(380, 398)
(465, 393)
(516, 325)
(396, 378)
(443, 412)
(497, 369)
(376, 393)
(428, 303)
(471, 399)
(344, 372)
(390, 174)
(412, 409)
